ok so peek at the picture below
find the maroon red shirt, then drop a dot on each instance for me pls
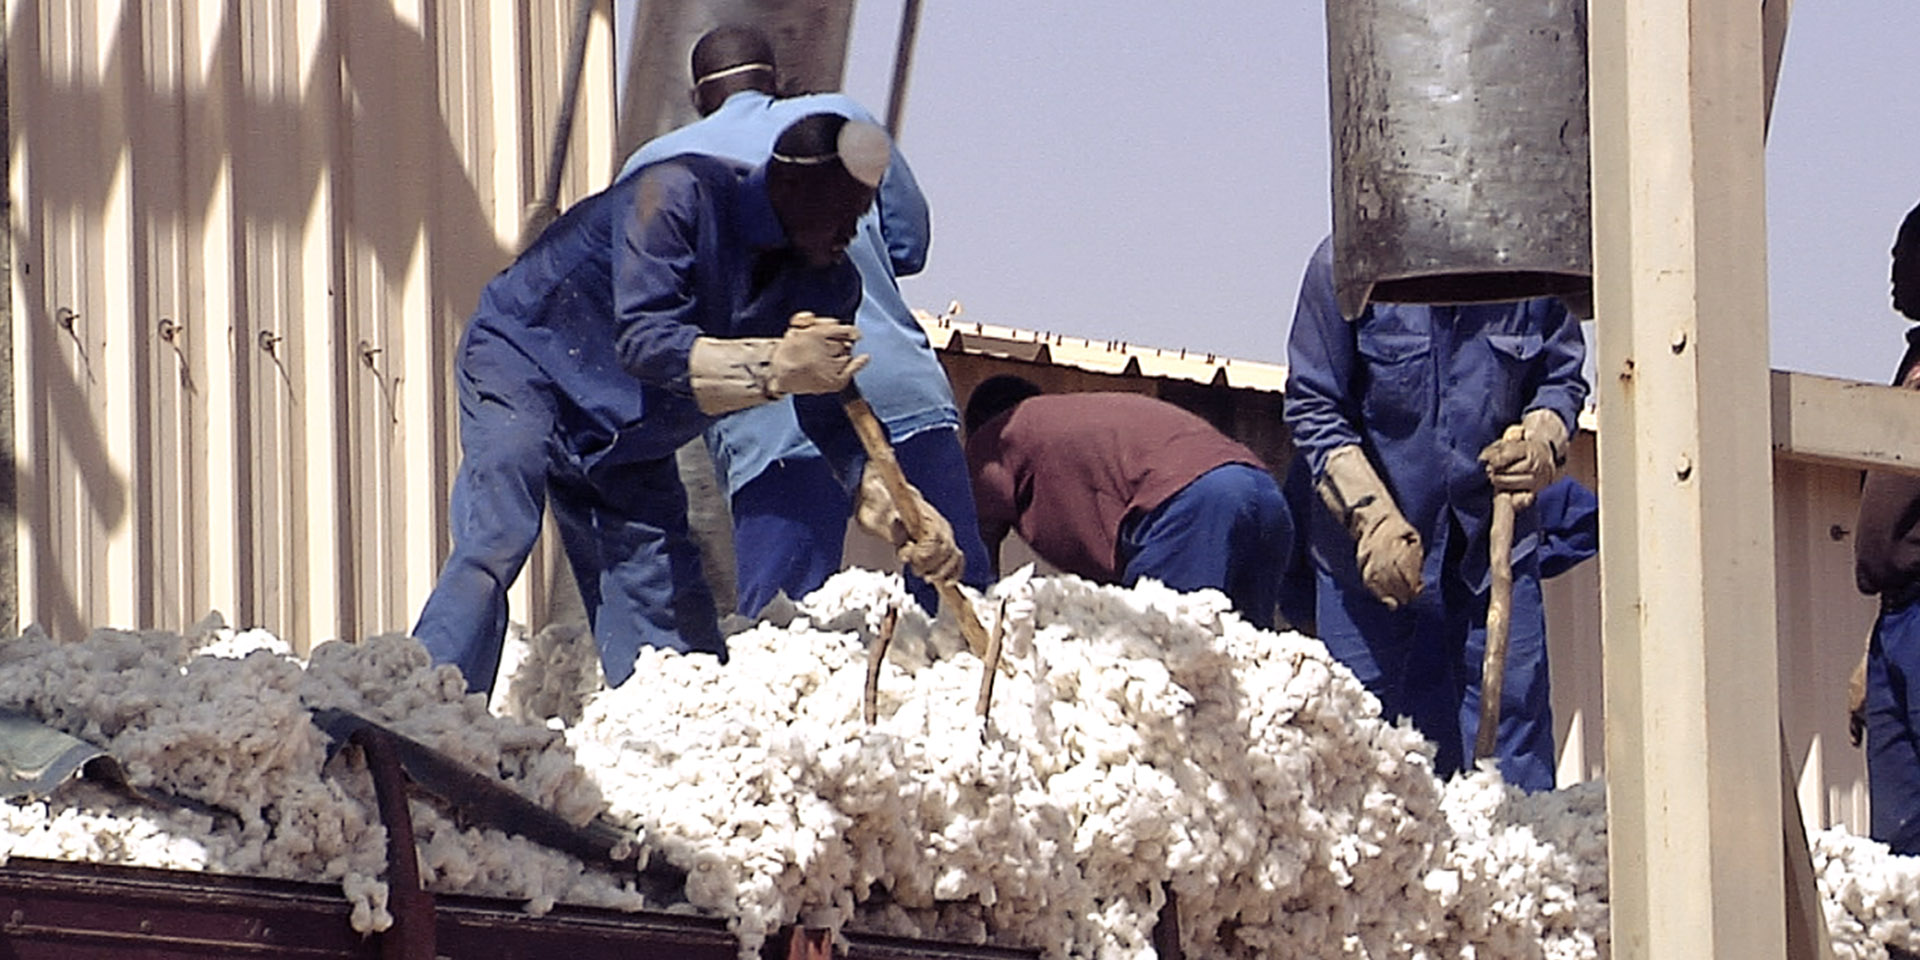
(1067, 469)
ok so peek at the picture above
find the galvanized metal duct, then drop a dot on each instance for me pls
(1460, 167)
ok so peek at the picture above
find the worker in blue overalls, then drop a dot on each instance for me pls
(1401, 414)
(789, 512)
(697, 287)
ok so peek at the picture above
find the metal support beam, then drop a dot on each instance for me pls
(1692, 728)
(1845, 423)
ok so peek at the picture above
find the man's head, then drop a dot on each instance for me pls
(728, 60)
(1906, 266)
(821, 179)
(996, 395)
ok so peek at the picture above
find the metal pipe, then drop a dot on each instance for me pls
(902, 66)
(412, 936)
(545, 207)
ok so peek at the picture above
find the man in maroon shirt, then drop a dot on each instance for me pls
(1118, 486)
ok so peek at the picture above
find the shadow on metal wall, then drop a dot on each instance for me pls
(366, 124)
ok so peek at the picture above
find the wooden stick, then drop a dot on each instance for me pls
(873, 437)
(1493, 669)
(877, 655)
(992, 660)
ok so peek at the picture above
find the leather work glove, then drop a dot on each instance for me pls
(814, 356)
(1857, 697)
(1386, 546)
(934, 556)
(1529, 456)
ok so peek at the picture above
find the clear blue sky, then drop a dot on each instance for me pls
(1158, 173)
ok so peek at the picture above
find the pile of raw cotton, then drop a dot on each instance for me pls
(233, 735)
(1141, 743)
(1145, 742)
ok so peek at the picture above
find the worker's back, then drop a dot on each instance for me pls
(1066, 470)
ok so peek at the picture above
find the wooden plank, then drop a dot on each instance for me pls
(1845, 423)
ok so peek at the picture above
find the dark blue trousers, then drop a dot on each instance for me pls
(1424, 661)
(1229, 530)
(790, 522)
(624, 528)
(1893, 728)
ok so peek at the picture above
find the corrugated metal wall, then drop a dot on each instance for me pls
(246, 237)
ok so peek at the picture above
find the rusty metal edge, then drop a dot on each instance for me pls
(51, 910)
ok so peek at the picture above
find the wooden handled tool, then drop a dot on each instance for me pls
(1493, 669)
(873, 437)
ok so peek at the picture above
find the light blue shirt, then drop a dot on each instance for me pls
(904, 381)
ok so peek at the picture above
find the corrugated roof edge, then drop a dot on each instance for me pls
(948, 332)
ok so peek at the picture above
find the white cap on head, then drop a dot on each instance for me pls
(865, 151)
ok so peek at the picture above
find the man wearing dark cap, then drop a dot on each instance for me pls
(698, 287)
(1887, 563)
(789, 512)
(1115, 487)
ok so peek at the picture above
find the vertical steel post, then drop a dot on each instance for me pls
(1692, 692)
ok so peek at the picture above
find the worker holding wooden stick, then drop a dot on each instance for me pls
(698, 287)
(789, 509)
(1401, 415)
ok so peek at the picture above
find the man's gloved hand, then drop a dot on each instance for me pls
(935, 556)
(1387, 548)
(815, 355)
(1529, 456)
(1857, 698)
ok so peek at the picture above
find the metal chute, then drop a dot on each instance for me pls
(1460, 162)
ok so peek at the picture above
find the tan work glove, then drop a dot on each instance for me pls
(1529, 456)
(1387, 547)
(936, 557)
(1857, 696)
(815, 356)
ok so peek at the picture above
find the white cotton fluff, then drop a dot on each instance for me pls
(1140, 741)
(1146, 740)
(235, 734)
(1871, 897)
(548, 675)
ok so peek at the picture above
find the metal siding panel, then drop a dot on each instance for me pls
(89, 224)
(589, 164)
(411, 309)
(216, 312)
(268, 122)
(31, 319)
(165, 541)
(477, 194)
(388, 97)
(1823, 622)
(323, 563)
